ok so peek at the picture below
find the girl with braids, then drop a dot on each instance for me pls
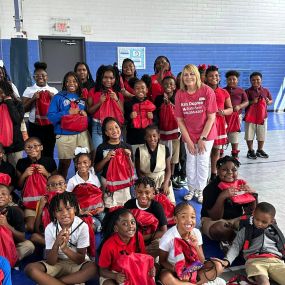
(219, 215)
(105, 152)
(11, 107)
(107, 86)
(69, 105)
(67, 239)
(31, 97)
(119, 235)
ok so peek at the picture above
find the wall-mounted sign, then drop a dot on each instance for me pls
(60, 26)
(137, 54)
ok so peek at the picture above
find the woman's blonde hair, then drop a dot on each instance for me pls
(192, 69)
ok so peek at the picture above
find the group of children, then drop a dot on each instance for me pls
(136, 143)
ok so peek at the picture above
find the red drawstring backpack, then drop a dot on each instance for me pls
(222, 137)
(168, 207)
(168, 125)
(110, 108)
(92, 248)
(120, 173)
(7, 245)
(186, 260)
(74, 123)
(42, 105)
(6, 126)
(147, 222)
(242, 197)
(136, 267)
(89, 197)
(233, 122)
(5, 179)
(34, 188)
(256, 113)
(141, 121)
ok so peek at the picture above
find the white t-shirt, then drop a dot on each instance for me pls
(15, 89)
(166, 243)
(76, 179)
(79, 238)
(29, 93)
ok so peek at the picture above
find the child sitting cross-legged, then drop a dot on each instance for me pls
(262, 244)
(67, 239)
(145, 191)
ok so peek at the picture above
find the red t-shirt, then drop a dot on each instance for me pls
(156, 87)
(238, 95)
(128, 87)
(221, 96)
(193, 108)
(95, 95)
(112, 248)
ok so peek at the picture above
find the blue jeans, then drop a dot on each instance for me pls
(96, 134)
(5, 267)
(97, 221)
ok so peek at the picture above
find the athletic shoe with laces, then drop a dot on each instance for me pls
(251, 154)
(261, 153)
(200, 196)
(190, 195)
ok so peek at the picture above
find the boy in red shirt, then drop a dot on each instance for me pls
(256, 116)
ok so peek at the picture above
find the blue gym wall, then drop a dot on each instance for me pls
(268, 59)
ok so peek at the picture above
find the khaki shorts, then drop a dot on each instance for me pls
(29, 213)
(62, 267)
(66, 144)
(272, 268)
(252, 130)
(25, 248)
(233, 137)
(174, 148)
(207, 222)
(103, 279)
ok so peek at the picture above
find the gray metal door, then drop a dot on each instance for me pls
(60, 54)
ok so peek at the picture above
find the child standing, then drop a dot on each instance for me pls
(120, 236)
(169, 133)
(134, 111)
(68, 115)
(55, 185)
(67, 239)
(153, 160)
(239, 101)
(105, 152)
(224, 108)
(107, 87)
(12, 114)
(34, 162)
(261, 243)
(256, 116)
(185, 217)
(12, 218)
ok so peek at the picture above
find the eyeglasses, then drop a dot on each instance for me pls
(55, 184)
(30, 147)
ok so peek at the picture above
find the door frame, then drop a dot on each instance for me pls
(62, 38)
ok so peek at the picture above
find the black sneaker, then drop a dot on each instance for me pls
(261, 153)
(251, 154)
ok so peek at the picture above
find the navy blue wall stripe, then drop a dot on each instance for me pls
(268, 59)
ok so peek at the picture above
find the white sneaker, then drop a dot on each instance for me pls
(200, 196)
(190, 195)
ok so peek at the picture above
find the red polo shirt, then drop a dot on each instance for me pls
(112, 248)
(221, 96)
(238, 95)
